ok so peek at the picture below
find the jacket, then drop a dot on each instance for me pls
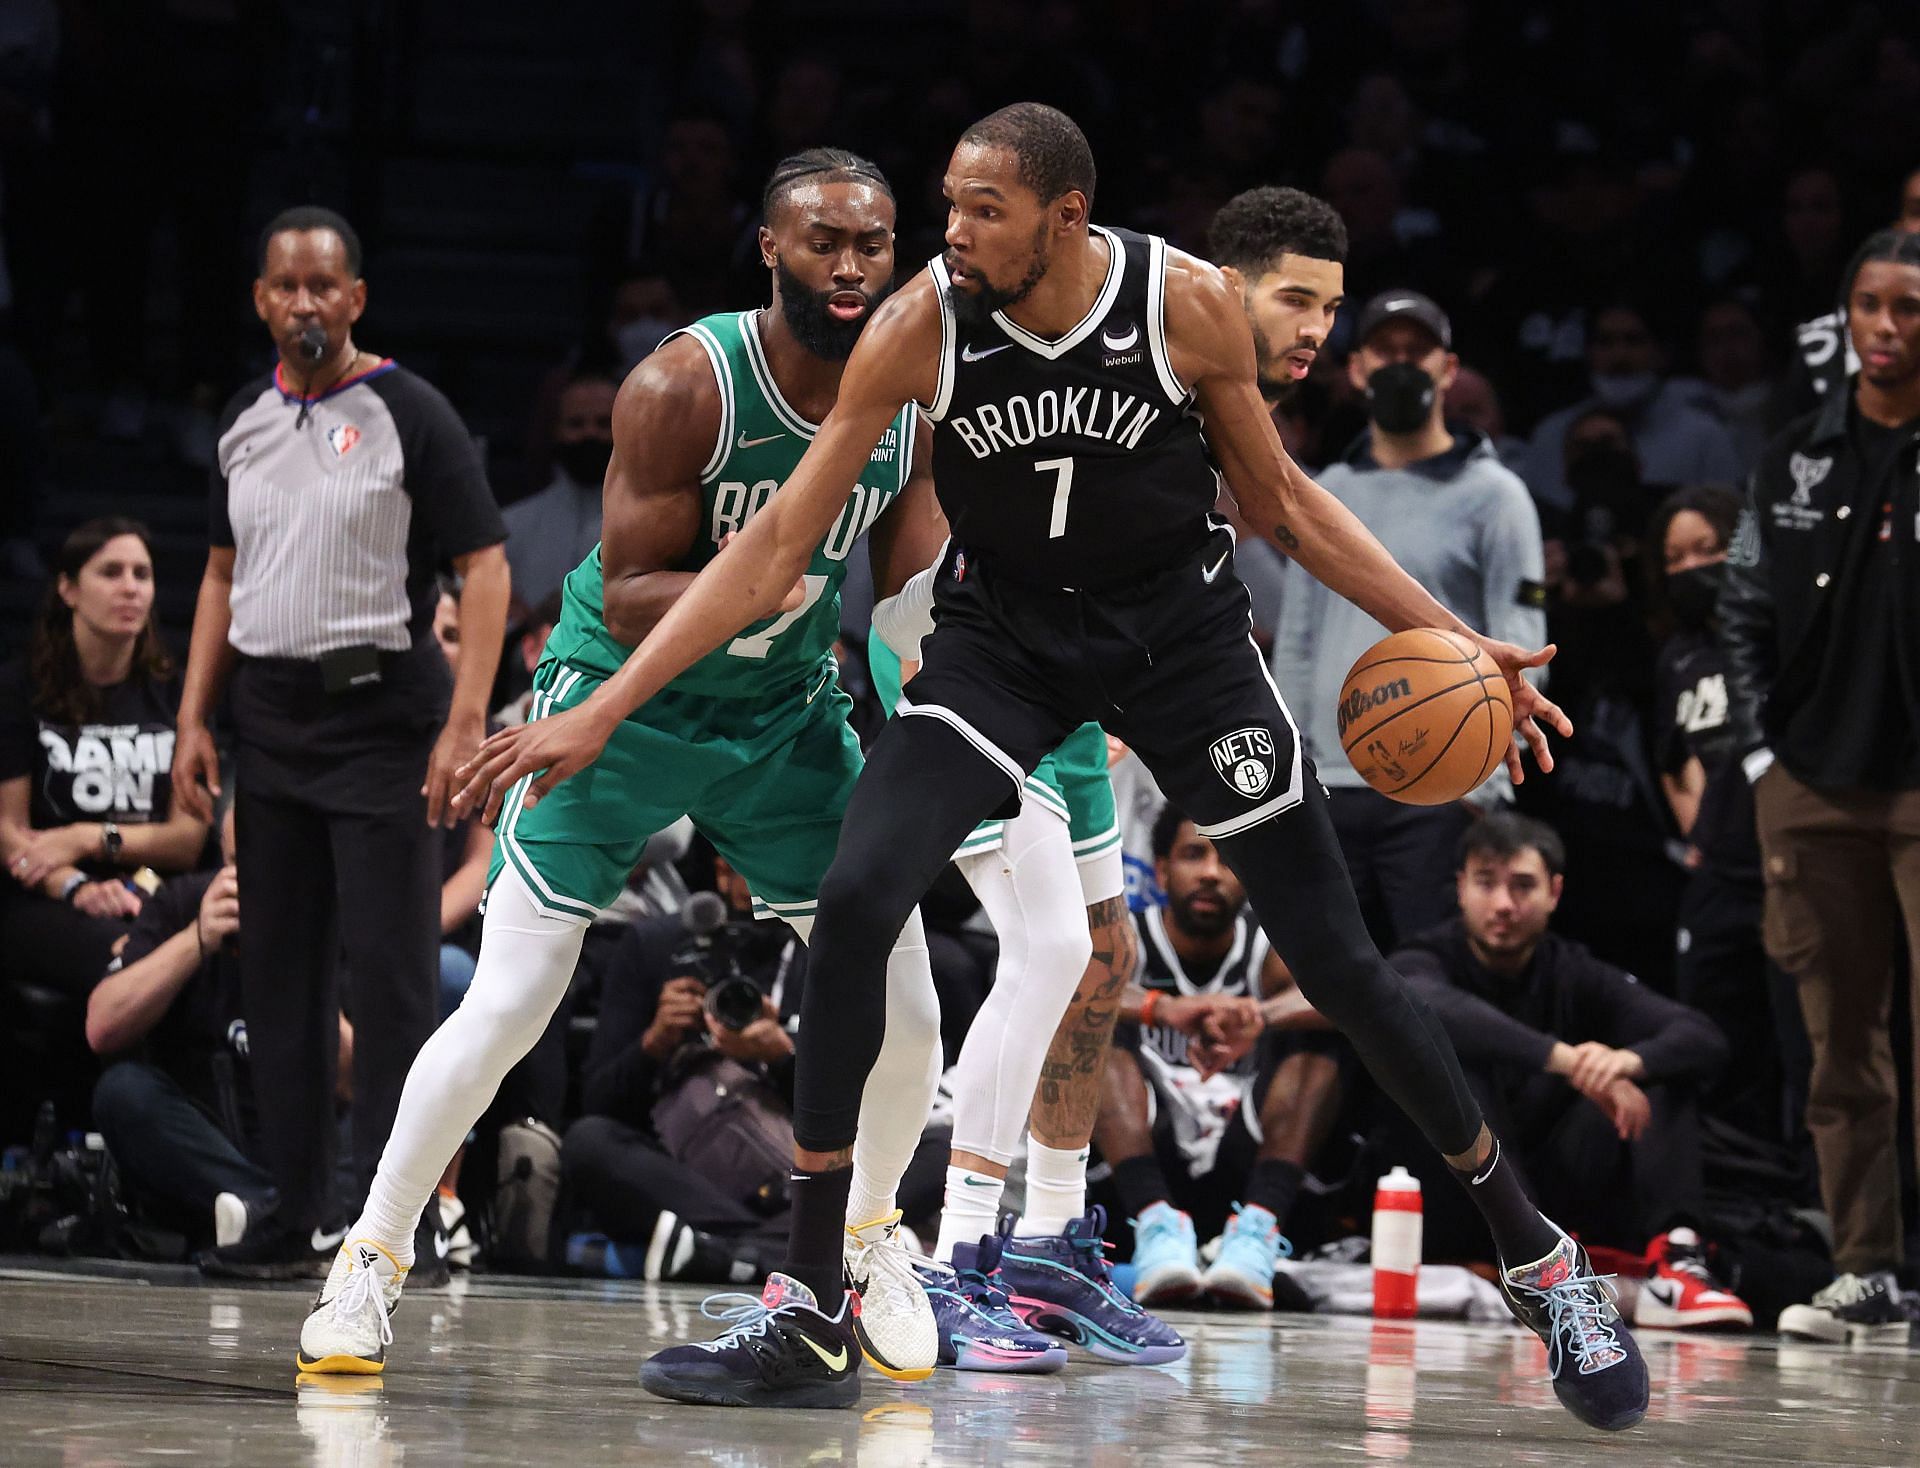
(1807, 526)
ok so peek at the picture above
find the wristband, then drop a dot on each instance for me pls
(1148, 1005)
(72, 885)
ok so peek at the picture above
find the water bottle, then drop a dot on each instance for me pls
(1396, 1246)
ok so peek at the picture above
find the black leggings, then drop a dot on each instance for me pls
(926, 787)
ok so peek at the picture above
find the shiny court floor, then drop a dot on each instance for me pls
(120, 1371)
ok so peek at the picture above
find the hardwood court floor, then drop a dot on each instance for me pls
(123, 1370)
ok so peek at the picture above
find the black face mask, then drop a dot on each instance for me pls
(585, 460)
(1695, 592)
(1399, 398)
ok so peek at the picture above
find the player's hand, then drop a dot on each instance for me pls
(459, 741)
(196, 771)
(1627, 1107)
(1531, 707)
(559, 745)
(678, 1014)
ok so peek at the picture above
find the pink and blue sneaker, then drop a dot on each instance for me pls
(978, 1329)
(1062, 1284)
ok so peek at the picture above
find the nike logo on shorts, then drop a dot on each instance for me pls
(968, 354)
(743, 442)
(1212, 571)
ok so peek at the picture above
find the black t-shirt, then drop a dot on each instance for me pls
(1691, 723)
(116, 766)
(204, 1020)
(1875, 745)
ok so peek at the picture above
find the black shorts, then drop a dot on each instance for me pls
(1167, 664)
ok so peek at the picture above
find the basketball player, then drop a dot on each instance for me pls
(1072, 369)
(753, 743)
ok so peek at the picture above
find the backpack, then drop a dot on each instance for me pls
(526, 1191)
(726, 1121)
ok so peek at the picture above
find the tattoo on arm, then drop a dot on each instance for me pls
(1068, 1097)
(1286, 537)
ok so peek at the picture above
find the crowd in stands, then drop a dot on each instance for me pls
(1618, 273)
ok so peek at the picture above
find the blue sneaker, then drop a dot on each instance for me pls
(1166, 1256)
(1251, 1248)
(978, 1329)
(1598, 1373)
(1061, 1284)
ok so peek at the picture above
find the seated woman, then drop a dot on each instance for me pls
(86, 747)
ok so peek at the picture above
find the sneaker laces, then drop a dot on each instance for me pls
(979, 1291)
(889, 1257)
(1282, 1245)
(1848, 1289)
(746, 1315)
(1577, 1316)
(359, 1294)
(1164, 1223)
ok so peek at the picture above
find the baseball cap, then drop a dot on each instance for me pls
(1391, 305)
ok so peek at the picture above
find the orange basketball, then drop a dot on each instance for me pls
(1425, 716)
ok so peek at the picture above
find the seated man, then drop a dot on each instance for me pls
(175, 1104)
(1210, 1029)
(1589, 1076)
(628, 1161)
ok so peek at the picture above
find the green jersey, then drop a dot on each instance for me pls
(760, 443)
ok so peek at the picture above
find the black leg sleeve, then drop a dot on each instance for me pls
(1297, 883)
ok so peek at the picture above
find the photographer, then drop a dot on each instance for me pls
(688, 1087)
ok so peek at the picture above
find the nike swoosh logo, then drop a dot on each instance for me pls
(1120, 344)
(825, 678)
(1214, 570)
(980, 1182)
(968, 354)
(834, 1363)
(323, 1241)
(442, 1244)
(743, 442)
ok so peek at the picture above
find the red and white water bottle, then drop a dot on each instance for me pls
(1396, 1246)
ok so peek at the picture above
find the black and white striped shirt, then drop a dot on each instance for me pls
(338, 518)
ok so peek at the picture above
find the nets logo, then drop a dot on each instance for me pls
(1244, 759)
(1361, 700)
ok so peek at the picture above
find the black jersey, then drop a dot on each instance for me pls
(1077, 462)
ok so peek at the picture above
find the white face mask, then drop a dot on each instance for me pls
(1624, 389)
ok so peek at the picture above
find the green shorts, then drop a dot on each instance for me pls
(766, 781)
(1071, 782)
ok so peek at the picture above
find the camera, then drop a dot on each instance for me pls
(711, 954)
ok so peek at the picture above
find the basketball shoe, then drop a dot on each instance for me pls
(978, 1329)
(1166, 1256)
(1680, 1292)
(1855, 1307)
(1061, 1284)
(895, 1323)
(780, 1350)
(1251, 1247)
(1597, 1370)
(347, 1331)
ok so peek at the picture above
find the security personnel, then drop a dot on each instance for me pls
(342, 482)
(1821, 617)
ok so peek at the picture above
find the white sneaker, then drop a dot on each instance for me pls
(229, 1219)
(1855, 1307)
(347, 1332)
(895, 1323)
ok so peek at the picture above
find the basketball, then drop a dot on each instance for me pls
(1425, 716)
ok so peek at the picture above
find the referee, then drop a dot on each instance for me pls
(341, 483)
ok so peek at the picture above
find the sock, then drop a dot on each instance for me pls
(972, 1209)
(866, 1201)
(1520, 1232)
(819, 1227)
(1140, 1183)
(1273, 1185)
(1056, 1187)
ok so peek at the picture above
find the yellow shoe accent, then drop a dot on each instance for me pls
(917, 1374)
(339, 1365)
(856, 1229)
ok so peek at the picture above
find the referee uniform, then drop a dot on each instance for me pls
(339, 509)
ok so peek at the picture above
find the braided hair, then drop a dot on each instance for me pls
(825, 165)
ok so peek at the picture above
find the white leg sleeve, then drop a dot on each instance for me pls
(526, 963)
(1030, 889)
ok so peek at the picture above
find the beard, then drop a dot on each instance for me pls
(977, 306)
(812, 324)
(1203, 922)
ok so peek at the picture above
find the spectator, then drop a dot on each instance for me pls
(551, 532)
(1587, 1075)
(86, 751)
(175, 1104)
(1676, 443)
(1720, 966)
(1474, 401)
(343, 481)
(642, 1173)
(467, 852)
(1211, 1035)
(1735, 384)
(1439, 499)
(1819, 621)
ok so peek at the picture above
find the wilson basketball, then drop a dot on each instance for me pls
(1425, 716)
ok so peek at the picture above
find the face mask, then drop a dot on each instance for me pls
(1695, 592)
(1399, 398)
(585, 460)
(1624, 389)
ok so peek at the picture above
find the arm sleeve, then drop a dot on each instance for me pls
(444, 474)
(1483, 1034)
(1513, 567)
(619, 1078)
(1675, 1043)
(905, 619)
